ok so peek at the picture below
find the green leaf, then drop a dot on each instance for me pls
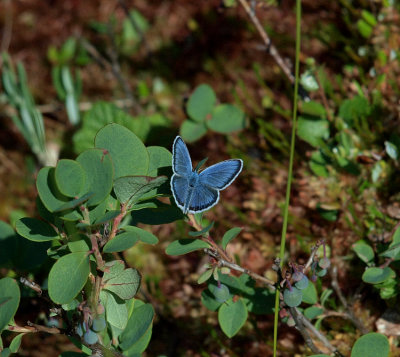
(138, 324)
(371, 345)
(292, 297)
(391, 150)
(191, 131)
(35, 230)
(318, 164)
(229, 235)
(201, 102)
(129, 155)
(98, 167)
(130, 189)
(16, 343)
(208, 300)
(103, 113)
(50, 196)
(70, 177)
(121, 242)
(392, 252)
(205, 276)
(68, 276)
(202, 232)
(312, 312)
(377, 275)
(74, 203)
(183, 246)
(227, 118)
(310, 295)
(8, 243)
(116, 311)
(140, 346)
(364, 251)
(353, 109)
(125, 285)
(364, 28)
(232, 316)
(312, 130)
(158, 213)
(143, 235)
(9, 300)
(314, 109)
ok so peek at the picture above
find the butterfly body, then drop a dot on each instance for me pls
(196, 191)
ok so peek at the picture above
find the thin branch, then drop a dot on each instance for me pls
(270, 47)
(240, 269)
(312, 255)
(301, 328)
(354, 319)
(318, 334)
(8, 23)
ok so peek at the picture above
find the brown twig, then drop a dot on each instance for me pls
(306, 323)
(31, 284)
(270, 47)
(298, 319)
(354, 319)
(96, 251)
(324, 100)
(8, 23)
(314, 251)
(117, 220)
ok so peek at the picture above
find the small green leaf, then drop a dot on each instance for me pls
(205, 276)
(391, 150)
(74, 203)
(229, 235)
(8, 243)
(129, 155)
(310, 295)
(98, 167)
(121, 242)
(227, 118)
(364, 251)
(392, 252)
(16, 343)
(138, 324)
(70, 177)
(314, 109)
(292, 297)
(371, 345)
(68, 276)
(9, 300)
(202, 232)
(377, 275)
(130, 189)
(143, 235)
(201, 102)
(312, 312)
(192, 131)
(35, 230)
(221, 292)
(116, 311)
(183, 246)
(232, 316)
(312, 130)
(364, 28)
(125, 285)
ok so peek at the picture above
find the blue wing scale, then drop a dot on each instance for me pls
(221, 175)
(181, 162)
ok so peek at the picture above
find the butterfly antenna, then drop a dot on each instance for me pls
(200, 164)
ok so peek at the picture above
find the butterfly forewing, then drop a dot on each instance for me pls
(180, 188)
(181, 162)
(221, 175)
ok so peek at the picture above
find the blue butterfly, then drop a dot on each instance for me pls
(196, 191)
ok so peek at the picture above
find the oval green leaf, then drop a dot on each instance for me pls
(35, 230)
(227, 118)
(70, 177)
(125, 285)
(116, 311)
(229, 235)
(121, 242)
(310, 295)
(232, 316)
(98, 167)
(50, 195)
(364, 251)
(377, 275)
(183, 246)
(68, 276)
(129, 155)
(192, 131)
(201, 102)
(138, 324)
(9, 300)
(371, 345)
(143, 235)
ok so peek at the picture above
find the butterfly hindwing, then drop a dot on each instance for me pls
(181, 162)
(221, 175)
(203, 198)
